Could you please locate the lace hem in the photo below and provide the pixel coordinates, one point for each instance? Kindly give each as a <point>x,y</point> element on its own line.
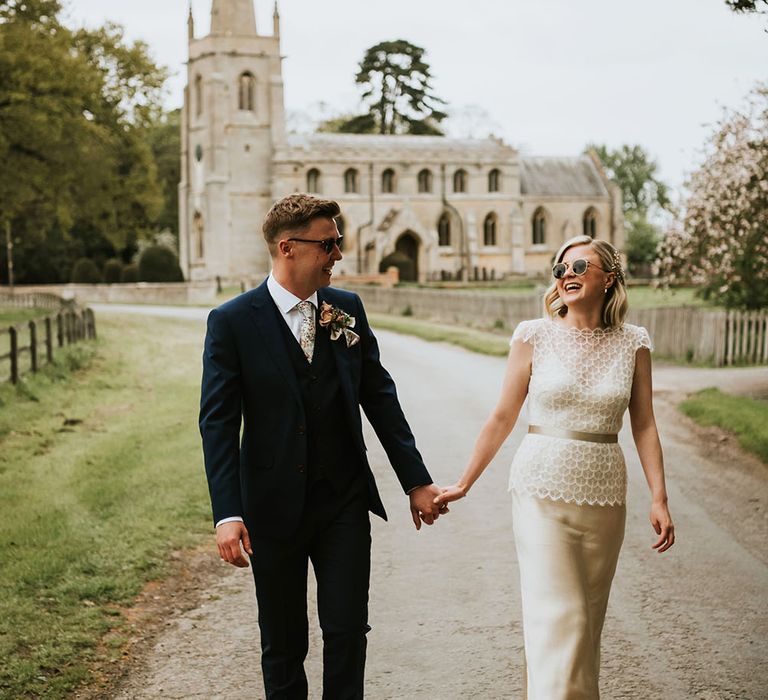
<point>556,496</point>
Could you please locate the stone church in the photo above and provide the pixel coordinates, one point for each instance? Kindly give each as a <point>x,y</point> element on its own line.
<point>457,208</point>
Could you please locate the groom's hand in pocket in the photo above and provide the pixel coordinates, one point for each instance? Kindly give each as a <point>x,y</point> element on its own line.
<point>228,539</point>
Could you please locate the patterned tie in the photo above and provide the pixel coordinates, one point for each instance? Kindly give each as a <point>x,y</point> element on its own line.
<point>307,328</point>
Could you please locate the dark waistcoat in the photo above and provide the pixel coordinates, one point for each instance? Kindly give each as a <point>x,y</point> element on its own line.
<point>331,453</point>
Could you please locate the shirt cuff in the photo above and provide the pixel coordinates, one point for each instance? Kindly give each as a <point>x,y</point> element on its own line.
<point>411,490</point>
<point>233,519</point>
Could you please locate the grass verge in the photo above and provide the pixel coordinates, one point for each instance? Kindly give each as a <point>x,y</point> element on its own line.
<point>656,298</point>
<point>12,316</point>
<point>101,476</point>
<point>745,417</point>
<point>483,342</point>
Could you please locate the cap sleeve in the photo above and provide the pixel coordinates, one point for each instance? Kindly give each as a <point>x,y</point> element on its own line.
<point>642,339</point>
<point>525,332</point>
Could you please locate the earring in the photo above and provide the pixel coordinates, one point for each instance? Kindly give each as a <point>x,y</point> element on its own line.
<point>605,291</point>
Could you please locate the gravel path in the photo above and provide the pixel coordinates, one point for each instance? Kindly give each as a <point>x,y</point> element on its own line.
<point>445,601</point>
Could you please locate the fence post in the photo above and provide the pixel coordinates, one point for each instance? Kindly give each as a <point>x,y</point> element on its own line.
<point>13,333</point>
<point>91,323</point>
<point>48,340</point>
<point>33,346</point>
<point>60,328</point>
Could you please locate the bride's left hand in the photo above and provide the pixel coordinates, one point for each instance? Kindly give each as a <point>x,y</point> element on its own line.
<point>450,493</point>
<point>663,526</point>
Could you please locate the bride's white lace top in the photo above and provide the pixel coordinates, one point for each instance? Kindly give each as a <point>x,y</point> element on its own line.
<point>580,380</point>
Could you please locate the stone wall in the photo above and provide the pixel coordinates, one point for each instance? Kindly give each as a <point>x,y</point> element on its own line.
<point>467,308</point>
<point>203,293</point>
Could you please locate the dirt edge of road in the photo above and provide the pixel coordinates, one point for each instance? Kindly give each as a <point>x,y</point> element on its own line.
<point>182,589</point>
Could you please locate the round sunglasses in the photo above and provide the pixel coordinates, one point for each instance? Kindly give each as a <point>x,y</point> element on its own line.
<point>578,267</point>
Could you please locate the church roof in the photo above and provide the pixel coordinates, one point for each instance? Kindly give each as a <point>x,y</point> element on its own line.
<point>576,177</point>
<point>408,147</point>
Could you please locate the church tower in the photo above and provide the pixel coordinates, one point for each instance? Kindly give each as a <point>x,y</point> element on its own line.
<point>232,121</point>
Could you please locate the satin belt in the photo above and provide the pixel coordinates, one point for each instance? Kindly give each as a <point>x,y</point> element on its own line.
<point>573,434</point>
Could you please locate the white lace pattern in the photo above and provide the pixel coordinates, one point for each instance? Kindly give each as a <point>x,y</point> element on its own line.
<point>580,380</point>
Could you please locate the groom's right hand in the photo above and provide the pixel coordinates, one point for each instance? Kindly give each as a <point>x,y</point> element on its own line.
<point>228,538</point>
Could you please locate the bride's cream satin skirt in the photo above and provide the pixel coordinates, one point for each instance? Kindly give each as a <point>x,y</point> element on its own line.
<point>567,555</point>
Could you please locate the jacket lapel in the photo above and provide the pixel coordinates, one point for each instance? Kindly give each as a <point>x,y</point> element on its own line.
<point>266,320</point>
<point>341,356</point>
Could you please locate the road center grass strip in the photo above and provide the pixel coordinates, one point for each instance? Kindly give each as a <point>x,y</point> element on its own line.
<point>101,477</point>
<point>745,417</point>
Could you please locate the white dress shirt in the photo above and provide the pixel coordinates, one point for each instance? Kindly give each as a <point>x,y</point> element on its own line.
<point>286,304</point>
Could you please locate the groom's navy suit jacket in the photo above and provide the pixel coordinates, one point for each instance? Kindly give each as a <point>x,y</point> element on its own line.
<point>249,381</point>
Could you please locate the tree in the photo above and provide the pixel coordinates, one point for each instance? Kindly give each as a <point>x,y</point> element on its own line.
<point>74,112</point>
<point>165,141</point>
<point>722,244</point>
<point>758,7</point>
<point>159,264</point>
<point>747,5</point>
<point>397,91</point>
<point>644,197</point>
<point>633,170</point>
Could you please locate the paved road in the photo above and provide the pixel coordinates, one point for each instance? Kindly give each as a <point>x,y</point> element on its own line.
<point>445,601</point>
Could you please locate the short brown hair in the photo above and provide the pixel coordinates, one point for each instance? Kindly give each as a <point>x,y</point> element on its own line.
<point>295,213</point>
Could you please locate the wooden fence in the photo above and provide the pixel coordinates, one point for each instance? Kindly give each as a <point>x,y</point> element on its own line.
<point>699,335</point>
<point>33,300</point>
<point>31,344</point>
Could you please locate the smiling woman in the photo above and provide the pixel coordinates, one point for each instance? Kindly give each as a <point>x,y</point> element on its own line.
<point>579,369</point>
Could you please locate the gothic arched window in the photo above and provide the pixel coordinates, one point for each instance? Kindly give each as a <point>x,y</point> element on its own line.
<point>460,181</point>
<point>388,181</point>
<point>198,95</point>
<point>247,92</point>
<point>489,229</point>
<point>425,180</point>
<point>313,180</point>
<point>444,229</point>
<point>539,223</point>
<point>589,222</point>
<point>494,180</point>
<point>350,181</point>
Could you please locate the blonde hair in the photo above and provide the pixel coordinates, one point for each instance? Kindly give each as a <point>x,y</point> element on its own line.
<point>616,304</point>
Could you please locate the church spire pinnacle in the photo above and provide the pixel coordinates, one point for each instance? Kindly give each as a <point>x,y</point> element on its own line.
<point>276,21</point>
<point>233,17</point>
<point>190,23</point>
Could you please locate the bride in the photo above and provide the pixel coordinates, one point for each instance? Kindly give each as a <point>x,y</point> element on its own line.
<point>580,367</point>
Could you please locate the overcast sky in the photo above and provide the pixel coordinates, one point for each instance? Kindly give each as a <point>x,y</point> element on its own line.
<point>552,75</point>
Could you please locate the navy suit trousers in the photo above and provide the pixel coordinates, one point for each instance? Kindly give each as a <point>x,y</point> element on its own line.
<point>335,535</point>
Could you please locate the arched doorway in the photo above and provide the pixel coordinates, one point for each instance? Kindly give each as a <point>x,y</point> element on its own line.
<point>408,245</point>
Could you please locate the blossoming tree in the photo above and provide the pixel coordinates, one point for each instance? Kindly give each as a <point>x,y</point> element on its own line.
<point>722,243</point>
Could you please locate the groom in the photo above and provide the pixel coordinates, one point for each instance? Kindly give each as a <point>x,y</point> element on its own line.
<point>293,361</point>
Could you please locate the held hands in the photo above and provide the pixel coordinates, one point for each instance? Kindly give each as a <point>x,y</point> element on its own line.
<point>228,538</point>
<point>662,524</point>
<point>451,493</point>
<point>430,502</point>
<point>423,506</point>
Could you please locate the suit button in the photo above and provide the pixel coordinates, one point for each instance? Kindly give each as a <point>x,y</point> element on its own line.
<point>301,430</point>
<point>300,467</point>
